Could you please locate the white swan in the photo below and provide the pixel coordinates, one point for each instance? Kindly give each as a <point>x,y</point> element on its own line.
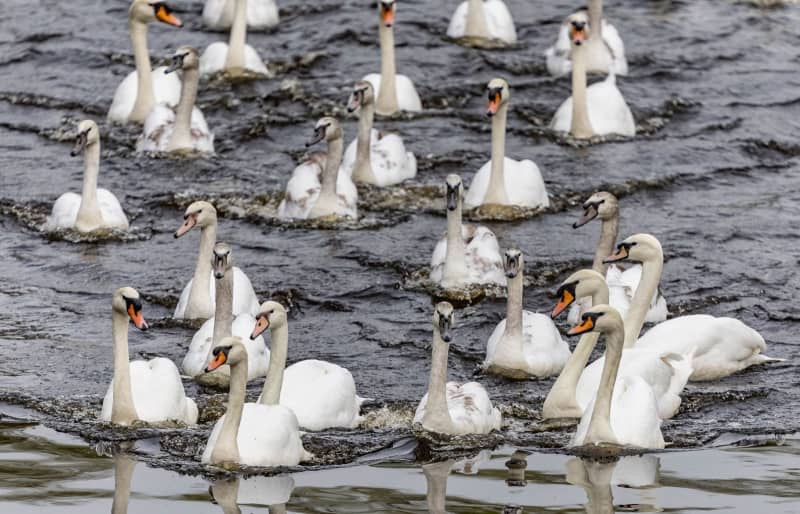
<point>95,207</point>
<point>604,48</point>
<point>198,297</point>
<point>317,187</point>
<point>523,344</point>
<point>394,92</point>
<point>622,285</point>
<point>261,14</point>
<point>597,110</point>
<point>723,345</point>
<point>132,102</point>
<point>374,157</point>
<point>466,254</point>
<point>321,394</point>
<point>483,21</point>
<point>252,434</point>
<point>149,391</point>
<point>624,411</point>
<point>235,58</point>
<point>222,325</point>
<point>449,407</point>
<point>503,180</point>
<point>183,128</point>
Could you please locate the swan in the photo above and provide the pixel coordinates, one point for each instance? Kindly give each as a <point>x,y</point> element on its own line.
<point>321,394</point>
<point>222,325</point>
<point>183,128</point>
<point>252,434</point>
<point>198,302</point>
<point>665,372</point>
<point>149,391</point>
<point>524,344</point>
<point>624,411</point>
<point>134,103</point>
<point>599,109</point>
<point>95,208</point>
<point>449,407</point>
<point>622,284</point>
<point>235,58</point>
<point>502,180</point>
<point>394,92</point>
<point>317,188</point>
<point>261,14</point>
<point>722,346</point>
<point>604,48</point>
<point>374,157</point>
<point>483,22</point>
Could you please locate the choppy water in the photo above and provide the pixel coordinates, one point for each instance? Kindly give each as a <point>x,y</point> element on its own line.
<point>714,174</point>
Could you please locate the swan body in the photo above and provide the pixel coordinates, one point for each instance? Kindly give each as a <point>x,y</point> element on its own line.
<point>245,300</point>
<point>607,53</point>
<point>166,91</point>
<point>235,57</point>
<point>496,23</point>
<point>261,14</point>
<point>407,97</point>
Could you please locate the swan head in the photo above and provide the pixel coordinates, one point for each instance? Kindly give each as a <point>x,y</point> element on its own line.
<point>513,262</point>
<point>88,134</point>
<point>637,248</point>
<point>221,260</point>
<point>147,11</point>
<point>455,188</point>
<point>386,9</point>
<point>498,93</point>
<point>363,94</point>
<point>127,301</point>
<point>201,214</point>
<point>601,204</point>
<point>327,129</point>
<point>601,318</point>
<point>229,351</point>
<point>582,283</point>
<point>578,27</point>
<point>185,58</point>
<point>270,315</point>
<point>443,321</point>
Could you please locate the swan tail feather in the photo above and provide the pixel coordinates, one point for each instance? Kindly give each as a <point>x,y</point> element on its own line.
<point>761,358</point>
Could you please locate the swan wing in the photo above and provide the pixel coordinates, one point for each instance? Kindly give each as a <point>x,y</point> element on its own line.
<point>166,87</point>
<point>614,43</point>
<point>111,210</point>
<point>391,164</point>
<point>157,130</point>
<point>347,195</point>
<point>124,98</point>
<point>407,97</point>
<point>524,184</point>
<point>479,186</point>
<point>321,394</point>
<point>482,255</point>
<point>557,56</point>
<point>458,23</point>
<point>545,351</point>
<point>212,60</point>
<point>65,212</point>
<point>253,62</point>
<point>302,191</point>
<point>437,259</point>
<point>262,14</point>
<point>158,393</point>
<point>245,300</point>
<point>471,409</point>
<point>500,21</point>
<point>608,112</point>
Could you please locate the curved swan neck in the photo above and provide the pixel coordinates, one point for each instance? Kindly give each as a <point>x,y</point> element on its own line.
<point>145,96</point>
<point>200,304</point>
<point>89,213</point>
<point>596,19</point>
<point>123,473</point>
<point>223,313</point>
<point>279,347</point>
<point>476,20</point>
<point>437,414</point>
<point>455,264</point>
<point>363,167</point>
<point>181,135</point>
<point>580,127</point>
<point>609,229</point>
<point>234,61</point>
<point>600,424</point>
<point>387,103</point>
<point>123,411</point>
<point>496,192</point>
<point>648,287</point>
<point>226,449</point>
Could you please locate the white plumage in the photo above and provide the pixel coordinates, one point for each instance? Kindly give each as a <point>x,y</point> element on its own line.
<point>214,56</point>
<point>244,296</point>
<point>523,182</point>
<point>498,21</point>
<point>484,265</point>
<point>606,107</point>
<point>166,88</point>
<point>391,163</point>
<point>66,207</point>
<point>407,97</point>
<point>470,409</point>
<point>610,58</point>
<point>160,124</point>
<point>543,350</point>
<point>302,191</point>
<point>196,359</point>
<point>261,14</point>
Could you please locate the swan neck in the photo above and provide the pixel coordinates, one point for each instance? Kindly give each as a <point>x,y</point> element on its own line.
<point>145,96</point>
<point>387,96</point>
<point>123,411</point>
<point>123,473</point>
<point>89,210</point>
<point>455,264</point>
<point>225,493</point>
<point>580,127</point>
<point>235,58</point>
<point>331,172</point>
<point>647,288</point>
<point>496,193</point>
<point>436,490</point>
<point>609,229</point>
<point>600,424</point>
<point>181,135</point>
<point>226,449</point>
<point>223,312</point>
<point>562,400</point>
<point>514,308</point>
<point>596,19</point>
<point>437,414</point>
<point>279,347</point>
<point>363,167</point>
<point>199,298</point>
<point>476,20</point>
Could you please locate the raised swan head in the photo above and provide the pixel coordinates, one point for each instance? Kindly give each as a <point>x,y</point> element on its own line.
<point>270,315</point>
<point>146,11</point>
<point>88,134</point>
<point>601,204</point>
<point>201,214</point>
<point>126,301</point>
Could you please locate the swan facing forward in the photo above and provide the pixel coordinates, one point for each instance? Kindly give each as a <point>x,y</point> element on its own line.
<point>149,391</point>
<point>449,407</point>
<point>236,58</point>
<point>483,23</point>
<point>95,208</point>
<point>261,14</point>
<point>467,254</point>
<point>184,128</point>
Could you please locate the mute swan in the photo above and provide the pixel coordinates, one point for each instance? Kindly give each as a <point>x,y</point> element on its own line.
<point>235,57</point>
<point>183,128</point>
<point>665,372</point>
<point>449,407</point>
<point>317,188</point>
<point>467,254</point>
<point>149,391</point>
<point>394,92</point>
<point>524,344</point>
<point>252,434</point>
<point>198,297</point>
<point>483,21</point>
<point>134,103</point>
<point>502,180</point>
<point>622,284</point>
<point>321,394</point>
<point>374,157</point>
<point>261,14</point>
<point>600,109</point>
<point>633,418</point>
<point>604,48</point>
<point>222,325</point>
<point>723,345</point>
<point>94,208</point>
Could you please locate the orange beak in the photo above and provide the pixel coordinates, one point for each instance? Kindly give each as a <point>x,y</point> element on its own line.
<point>188,223</point>
<point>586,326</point>
<point>387,15</point>
<point>137,318</point>
<point>494,105</point>
<point>578,36</point>
<point>621,255</point>
<point>561,306</point>
<point>162,14</point>
<point>218,361</point>
<point>262,323</point>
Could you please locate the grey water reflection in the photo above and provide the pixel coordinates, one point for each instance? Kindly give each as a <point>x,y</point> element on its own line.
<point>596,478</point>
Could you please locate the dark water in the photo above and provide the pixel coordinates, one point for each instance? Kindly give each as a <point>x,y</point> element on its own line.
<point>713,174</point>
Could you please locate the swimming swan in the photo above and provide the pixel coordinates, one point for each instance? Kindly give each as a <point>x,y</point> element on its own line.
<point>261,14</point>
<point>235,58</point>
<point>483,22</point>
